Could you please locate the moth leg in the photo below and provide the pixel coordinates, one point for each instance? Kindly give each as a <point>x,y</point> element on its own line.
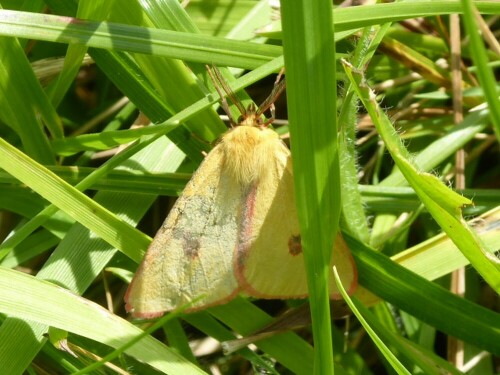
<point>270,120</point>
<point>279,77</point>
<point>278,88</point>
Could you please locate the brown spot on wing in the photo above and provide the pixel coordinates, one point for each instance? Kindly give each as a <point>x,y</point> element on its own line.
<point>294,245</point>
<point>191,247</point>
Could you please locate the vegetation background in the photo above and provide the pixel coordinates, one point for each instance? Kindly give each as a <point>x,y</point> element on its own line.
<point>414,153</point>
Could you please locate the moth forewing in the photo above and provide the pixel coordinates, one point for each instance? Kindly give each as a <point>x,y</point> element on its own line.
<point>191,256</point>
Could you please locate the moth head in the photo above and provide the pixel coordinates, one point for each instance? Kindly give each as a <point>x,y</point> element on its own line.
<point>252,115</point>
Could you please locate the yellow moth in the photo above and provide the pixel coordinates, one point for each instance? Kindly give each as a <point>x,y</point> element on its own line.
<point>234,229</point>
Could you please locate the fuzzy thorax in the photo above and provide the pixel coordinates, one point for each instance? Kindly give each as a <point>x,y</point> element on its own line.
<point>247,151</point>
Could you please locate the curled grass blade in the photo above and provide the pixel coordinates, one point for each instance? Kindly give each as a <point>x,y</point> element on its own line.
<point>442,203</point>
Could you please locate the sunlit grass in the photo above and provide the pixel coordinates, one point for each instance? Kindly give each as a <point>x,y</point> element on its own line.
<point>78,215</point>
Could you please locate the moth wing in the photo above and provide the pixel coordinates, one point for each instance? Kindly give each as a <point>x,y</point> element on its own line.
<point>269,261</point>
<point>191,256</point>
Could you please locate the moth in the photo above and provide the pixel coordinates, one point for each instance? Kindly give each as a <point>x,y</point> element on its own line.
<point>235,228</point>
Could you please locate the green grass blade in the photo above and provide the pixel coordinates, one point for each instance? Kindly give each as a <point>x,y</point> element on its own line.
<point>484,72</point>
<point>71,201</point>
<point>391,358</point>
<point>425,300</point>
<point>76,53</point>
<point>311,97</point>
<point>23,103</point>
<point>354,18</point>
<point>425,360</point>
<point>25,297</point>
<point>353,211</point>
<point>172,44</point>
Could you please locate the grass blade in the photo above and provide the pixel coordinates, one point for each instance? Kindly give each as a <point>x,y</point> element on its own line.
<point>311,97</point>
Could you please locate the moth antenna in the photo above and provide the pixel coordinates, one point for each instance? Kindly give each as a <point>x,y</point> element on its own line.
<point>219,82</point>
<point>279,86</point>
<point>223,101</point>
<point>229,92</point>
